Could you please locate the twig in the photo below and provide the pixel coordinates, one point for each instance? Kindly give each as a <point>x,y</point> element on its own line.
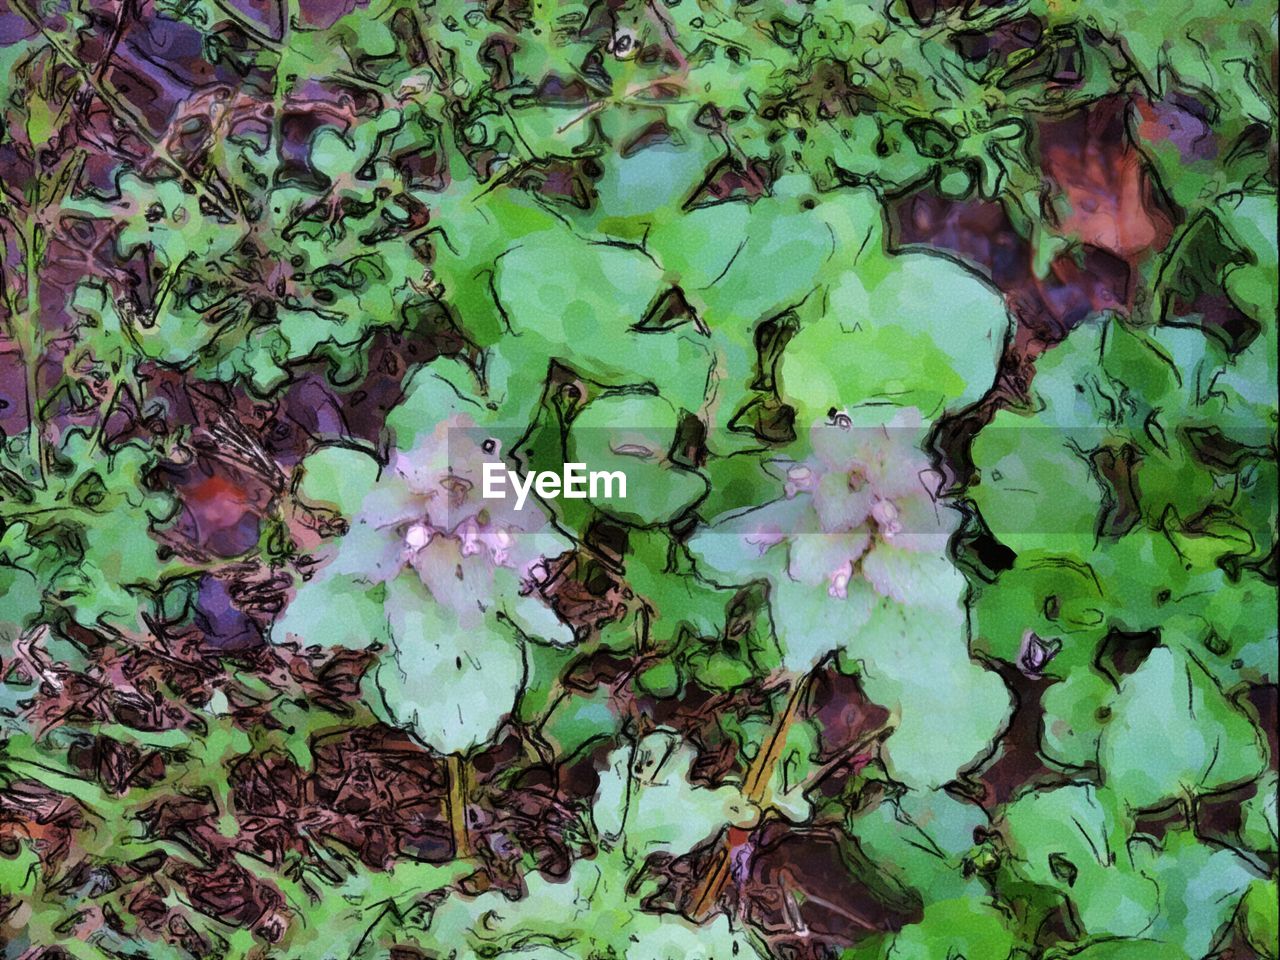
<point>754,786</point>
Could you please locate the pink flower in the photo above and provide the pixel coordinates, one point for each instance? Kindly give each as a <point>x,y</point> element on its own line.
<point>861,506</point>
<point>429,508</point>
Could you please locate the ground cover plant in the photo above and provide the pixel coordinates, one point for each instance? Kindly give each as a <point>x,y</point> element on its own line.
<point>936,341</point>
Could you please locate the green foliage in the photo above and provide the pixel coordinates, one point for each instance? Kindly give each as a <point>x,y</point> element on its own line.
<point>669,239</point>
<point>592,911</point>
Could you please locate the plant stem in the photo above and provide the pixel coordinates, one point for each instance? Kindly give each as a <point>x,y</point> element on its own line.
<point>457,803</point>
<point>28,336</point>
<point>754,785</point>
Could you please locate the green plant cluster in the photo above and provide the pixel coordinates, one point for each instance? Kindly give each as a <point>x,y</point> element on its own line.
<point>1002,682</point>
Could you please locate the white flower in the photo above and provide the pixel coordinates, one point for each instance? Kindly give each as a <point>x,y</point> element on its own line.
<point>474,556</point>
<point>865,495</point>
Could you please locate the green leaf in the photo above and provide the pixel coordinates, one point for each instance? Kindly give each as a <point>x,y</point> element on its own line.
<point>1200,744</point>
<point>1258,918</point>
